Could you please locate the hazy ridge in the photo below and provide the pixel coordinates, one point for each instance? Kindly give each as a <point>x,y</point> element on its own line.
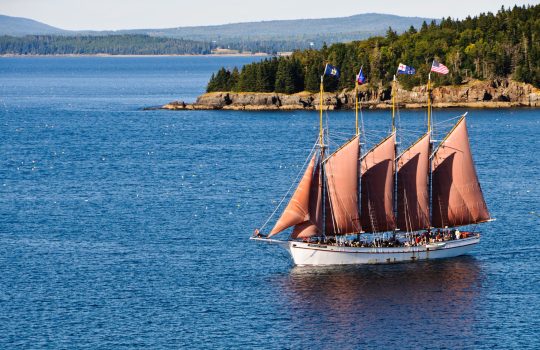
<point>265,36</point>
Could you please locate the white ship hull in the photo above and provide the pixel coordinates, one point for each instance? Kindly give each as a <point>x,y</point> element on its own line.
<point>320,254</point>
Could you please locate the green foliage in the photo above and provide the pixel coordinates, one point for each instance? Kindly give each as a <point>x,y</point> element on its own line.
<point>109,44</point>
<point>289,76</point>
<point>257,77</point>
<point>506,44</point>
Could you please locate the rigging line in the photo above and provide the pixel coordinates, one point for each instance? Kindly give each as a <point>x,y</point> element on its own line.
<point>290,188</point>
<point>340,133</point>
<point>404,141</point>
<point>372,219</point>
<point>408,220</point>
<point>371,142</point>
<point>425,216</point>
<point>330,205</point>
<point>333,143</point>
<point>330,202</point>
<point>417,130</point>
<point>362,124</point>
<point>379,135</point>
<point>327,128</point>
<point>399,124</point>
<point>339,140</point>
<point>441,210</point>
<point>411,133</point>
<point>376,131</point>
<point>448,120</point>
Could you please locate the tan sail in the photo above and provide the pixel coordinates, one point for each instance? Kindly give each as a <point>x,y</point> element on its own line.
<point>412,181</point>
<point>297,211</point>
<point>313,226</point>
<point>341,170</point>
<point>377,186</point>
<point>457,198</point>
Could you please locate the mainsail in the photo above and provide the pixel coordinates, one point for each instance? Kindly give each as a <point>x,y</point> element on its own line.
<point>457,198</point>
<point>313,225</point>
<point>412,186</point>
<point>377,187</point>
<point>297,211</point>
<point>341,169</point>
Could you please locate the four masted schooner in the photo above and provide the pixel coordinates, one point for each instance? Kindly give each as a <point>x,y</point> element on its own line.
<point>377,207</point>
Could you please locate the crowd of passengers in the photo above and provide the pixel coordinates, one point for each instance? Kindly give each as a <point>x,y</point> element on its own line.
<point>411,240</point>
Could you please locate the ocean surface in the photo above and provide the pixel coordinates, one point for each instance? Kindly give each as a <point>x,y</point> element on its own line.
<point>124,228</point>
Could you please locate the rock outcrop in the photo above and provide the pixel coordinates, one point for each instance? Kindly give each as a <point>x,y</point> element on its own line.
<point>473,94</point>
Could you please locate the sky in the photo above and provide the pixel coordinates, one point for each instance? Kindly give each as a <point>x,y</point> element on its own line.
<point>134,14</point>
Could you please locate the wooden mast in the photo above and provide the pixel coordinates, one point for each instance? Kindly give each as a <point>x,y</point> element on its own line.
<point>430,171</point>
<point>394,104</point>
<point>356,105</point>
<point>394,202</point>
<point>322,146</point>
<point>321,133</point>
<point>359,181</point>
<point>429,103</point>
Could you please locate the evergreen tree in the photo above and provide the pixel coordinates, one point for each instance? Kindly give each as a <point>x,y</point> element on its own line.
<point>313,75</point>
<point>284,80</point>
<point>211,86</point>
<point>235,77</point>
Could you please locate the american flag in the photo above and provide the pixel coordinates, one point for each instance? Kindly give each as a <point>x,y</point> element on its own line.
<point>439,68</point>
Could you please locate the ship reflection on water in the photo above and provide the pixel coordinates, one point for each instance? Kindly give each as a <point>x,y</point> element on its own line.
<point>375,303</point>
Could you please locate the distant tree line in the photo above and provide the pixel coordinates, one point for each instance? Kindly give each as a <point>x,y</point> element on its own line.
<point>274,45</point>
<point>269,46</point>
<point>109,44</point>
<point>140,44</point>
<point>506,44</point>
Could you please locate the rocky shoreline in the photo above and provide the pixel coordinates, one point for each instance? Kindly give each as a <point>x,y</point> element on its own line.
<point>497,93</point>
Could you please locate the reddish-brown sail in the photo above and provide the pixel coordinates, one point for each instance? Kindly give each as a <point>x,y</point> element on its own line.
<point>297,211</point>
<point>412,186</point>
<point>457,198</point>
<point>377,182</point>
<point>341,170</point>
<point>312,226</point>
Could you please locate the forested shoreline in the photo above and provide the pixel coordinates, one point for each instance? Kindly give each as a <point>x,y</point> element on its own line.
<point>488,46</point>
<point>92,45</point>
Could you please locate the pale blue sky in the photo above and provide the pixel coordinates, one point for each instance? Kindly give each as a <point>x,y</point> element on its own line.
<point>129,14</point>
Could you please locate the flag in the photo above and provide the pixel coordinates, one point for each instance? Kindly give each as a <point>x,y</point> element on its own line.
<point>360,78</point>
<point>439,68</point>
<point>331,70</point>
<point>403,69</point>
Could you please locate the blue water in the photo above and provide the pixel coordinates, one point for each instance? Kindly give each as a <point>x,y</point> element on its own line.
<point>124,228</point>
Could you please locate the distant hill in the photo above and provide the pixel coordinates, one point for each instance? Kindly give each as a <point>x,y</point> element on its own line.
<point>26,36</point>
<point>301,30</point>
<point>18,26</point>
<point>336,29</point>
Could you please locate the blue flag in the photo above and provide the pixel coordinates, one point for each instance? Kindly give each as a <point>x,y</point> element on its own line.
<point>331,70</point>
<point>403,69</point>
<point>360,78</point>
